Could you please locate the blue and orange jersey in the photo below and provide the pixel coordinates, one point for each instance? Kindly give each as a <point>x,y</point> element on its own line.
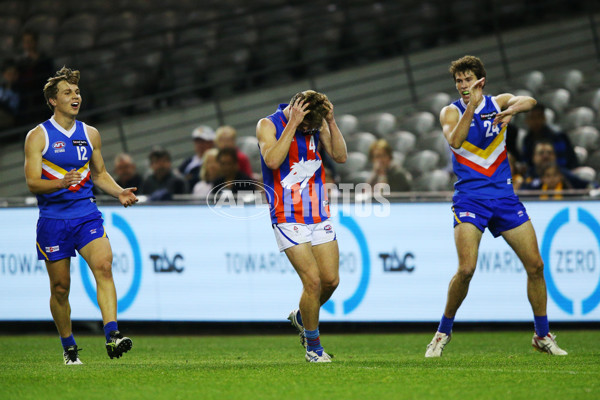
<point>481,163</point>
<point>64,151</point>
<point>295,190</point>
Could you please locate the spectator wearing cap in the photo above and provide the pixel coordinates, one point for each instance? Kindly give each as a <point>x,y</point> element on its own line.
<point>204,139</point>
<point>163,182</point>
<point>226,138</point>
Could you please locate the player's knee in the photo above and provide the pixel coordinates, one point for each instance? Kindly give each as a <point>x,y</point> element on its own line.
<point>465,274</point>
<point>330,284</point>
<point>104,269</point>
<point>312,285</point>
<point>536,269</point>
<point>60,290</point>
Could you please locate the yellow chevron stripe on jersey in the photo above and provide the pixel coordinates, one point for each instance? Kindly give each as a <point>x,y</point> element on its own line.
<point>471,148</point>
<point>62,172</point>
<point>54,167</point>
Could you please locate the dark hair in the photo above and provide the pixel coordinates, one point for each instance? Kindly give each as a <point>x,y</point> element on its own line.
<point>158,152</point>
<point>227,152</point>
<point>539,107</point>
<point>467,63</point>
<point>51,87</point>
<point>318,107</point>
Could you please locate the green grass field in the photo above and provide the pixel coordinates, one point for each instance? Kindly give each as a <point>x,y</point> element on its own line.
<point>486,365</point>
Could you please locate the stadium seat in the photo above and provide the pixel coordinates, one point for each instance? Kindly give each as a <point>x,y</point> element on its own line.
<point>118,20</point>
<point>41,23</point>
<point>423,161</point>
<point>587,137</point>
<point>73,43</point>
<point>360,142</point>
<point>82,22</point>
<point>585,173</point>
<point>533,81</point>
<point>355,162</point>
<point>381,124</point>
<point>347,123</point>
<point>248,145</point>
<point>433,181</point>
<point>435,102</point>
<point>581,153</point>
<point>557,99</point>
<point>593,160</point>
<point>402,141</point>
<point>419,123</point>
<point>572,80</point>
<point>358,177</point>
<point>577,117</point>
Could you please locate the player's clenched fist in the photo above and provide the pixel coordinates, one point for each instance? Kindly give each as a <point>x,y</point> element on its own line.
<point>71,178</point>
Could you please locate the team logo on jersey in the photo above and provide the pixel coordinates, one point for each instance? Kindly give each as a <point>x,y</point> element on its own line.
<point>301,172</point>
<point>488,116</point>
<point>328,229</point>
<point>469,214</point>
<point>77,142</point>
<point>52,249</point>
<point>59,147</point>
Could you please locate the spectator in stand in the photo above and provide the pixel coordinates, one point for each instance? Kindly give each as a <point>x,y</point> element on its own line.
<point>231,177</point>
<point>126,172</point>
<point>385,170</point>
<point>204,139</point>
<point>10,95</point>
<point>544,157</point>
<point>538,129</point>
<point>164,182</point>
<point>34,67</point>
<point>226,139</point>
<point>209,172</point>
<point>553,180</point>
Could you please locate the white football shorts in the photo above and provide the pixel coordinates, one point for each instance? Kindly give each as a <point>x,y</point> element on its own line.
<point>290,234</point>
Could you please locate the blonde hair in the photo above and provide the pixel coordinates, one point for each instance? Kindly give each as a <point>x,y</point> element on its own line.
<point>208,153</point>
<point>383,145</point>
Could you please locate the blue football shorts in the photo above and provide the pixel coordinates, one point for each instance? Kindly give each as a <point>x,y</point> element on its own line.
<point>498,215</point>
<point>59,238</point>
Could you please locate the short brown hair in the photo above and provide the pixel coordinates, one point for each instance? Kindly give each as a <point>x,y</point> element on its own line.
<point>467,63</point>
<point>318,107</point>
<point>51,87</point>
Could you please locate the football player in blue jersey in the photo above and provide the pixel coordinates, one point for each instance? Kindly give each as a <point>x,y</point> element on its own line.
<point>63,160</point>
<point>475,128</point>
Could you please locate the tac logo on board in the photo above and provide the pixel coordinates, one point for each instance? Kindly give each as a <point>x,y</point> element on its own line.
<point>571,253</point>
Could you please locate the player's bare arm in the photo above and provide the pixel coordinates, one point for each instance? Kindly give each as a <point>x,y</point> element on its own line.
<point>275,151</point>
<point>455,127</point>
<point>511,105</point>
<point>34,146</point>
<point>332,138</point>
<point>102,178</point>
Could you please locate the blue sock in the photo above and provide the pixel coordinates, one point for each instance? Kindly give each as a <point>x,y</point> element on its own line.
<point>446,325</point>
<point>541,325</point>
<point>299,318</point>
<point>67,341</point>
<point>313,342</point>
<point>108,328</point>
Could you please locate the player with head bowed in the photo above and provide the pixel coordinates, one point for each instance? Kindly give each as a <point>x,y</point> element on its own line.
<point>294,177</point>
<point>475,128</point>
<point>63,160</point>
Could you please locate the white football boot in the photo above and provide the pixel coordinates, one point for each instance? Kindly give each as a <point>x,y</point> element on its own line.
<point>547,344</point>
<point>314,357</point>
<point>294,320</point>
<point>437,344</point>
<point>71,356</point>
